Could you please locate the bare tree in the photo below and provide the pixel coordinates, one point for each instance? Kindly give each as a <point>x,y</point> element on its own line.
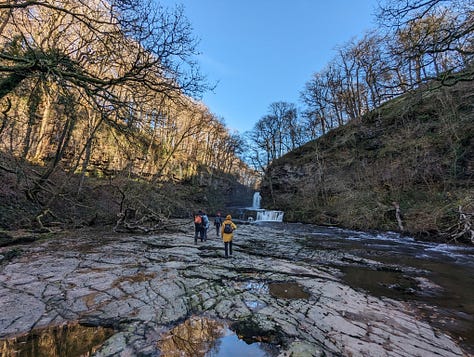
<point>435,30</point>
<point>96,52</point>
<point>275,134</point>
<point>316,97</point>
<point>425,40</point>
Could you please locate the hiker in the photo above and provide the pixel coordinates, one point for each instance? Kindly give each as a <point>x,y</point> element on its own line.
<point>198,226</point>
<point>218,223</point>
<point>227,232</point>
<point>205,226</point>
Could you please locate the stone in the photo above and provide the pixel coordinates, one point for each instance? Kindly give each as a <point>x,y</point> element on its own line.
<point>145,285</point>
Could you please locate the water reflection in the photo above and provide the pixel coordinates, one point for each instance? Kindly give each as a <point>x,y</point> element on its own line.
<point>231,346</point>
<point>194,337</point>
<point>69,340</point>
<point>204,337</point>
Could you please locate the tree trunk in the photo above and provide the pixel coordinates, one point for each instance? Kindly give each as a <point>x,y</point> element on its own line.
<point>398,216</point>
<point>42,137</point>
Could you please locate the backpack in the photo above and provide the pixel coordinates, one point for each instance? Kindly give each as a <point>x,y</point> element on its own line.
<point>205,221</point>
<point>198,219</point>
<point>228,228</point>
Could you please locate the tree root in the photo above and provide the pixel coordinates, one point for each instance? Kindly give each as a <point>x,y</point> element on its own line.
<point>149,223</point>
<point>42,228</point>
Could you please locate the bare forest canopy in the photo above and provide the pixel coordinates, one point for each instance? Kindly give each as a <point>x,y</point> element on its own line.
<point>101,89</point>
<point>416,42</point>
<point>106,86</point>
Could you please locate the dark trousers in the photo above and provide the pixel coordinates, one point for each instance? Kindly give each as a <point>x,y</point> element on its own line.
<point>197,232</point>
<point>228,248</point>
<point>218,228</point>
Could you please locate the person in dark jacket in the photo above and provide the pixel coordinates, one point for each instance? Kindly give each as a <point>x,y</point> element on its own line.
<point>198,226</point>
<point>218,223</point>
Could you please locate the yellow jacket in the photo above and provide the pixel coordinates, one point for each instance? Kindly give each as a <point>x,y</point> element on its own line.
<point>227,237</point>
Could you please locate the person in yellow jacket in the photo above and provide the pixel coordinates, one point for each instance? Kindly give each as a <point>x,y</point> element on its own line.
<point>227,232</point>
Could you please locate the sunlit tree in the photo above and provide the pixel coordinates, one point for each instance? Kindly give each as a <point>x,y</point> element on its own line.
<point>437,33</point>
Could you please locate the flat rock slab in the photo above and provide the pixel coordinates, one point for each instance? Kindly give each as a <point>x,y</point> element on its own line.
<point>143,286</point>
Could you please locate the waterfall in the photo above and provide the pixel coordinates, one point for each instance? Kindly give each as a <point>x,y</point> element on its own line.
<point>270,216</point>
<point>264,215</point>
<point>256,200</point>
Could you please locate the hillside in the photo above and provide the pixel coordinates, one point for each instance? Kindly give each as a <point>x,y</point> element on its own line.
<point>102,202</point>
<point>414,153</point>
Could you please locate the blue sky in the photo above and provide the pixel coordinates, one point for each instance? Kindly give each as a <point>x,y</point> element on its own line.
<point>264,51</point>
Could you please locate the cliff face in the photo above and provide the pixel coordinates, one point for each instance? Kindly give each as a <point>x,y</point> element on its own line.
<point>415,153</point>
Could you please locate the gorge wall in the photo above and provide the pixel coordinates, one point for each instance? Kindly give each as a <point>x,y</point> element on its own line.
<point>415,153</point>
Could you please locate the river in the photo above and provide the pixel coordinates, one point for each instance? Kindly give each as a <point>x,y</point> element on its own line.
<point>438,279</point>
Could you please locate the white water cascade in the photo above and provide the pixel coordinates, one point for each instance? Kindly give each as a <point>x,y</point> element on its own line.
<point>270,216</point>
<point>256,200</point>
<point>264,215</point>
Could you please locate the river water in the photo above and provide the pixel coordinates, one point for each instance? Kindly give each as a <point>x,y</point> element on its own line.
<point>438,279</point>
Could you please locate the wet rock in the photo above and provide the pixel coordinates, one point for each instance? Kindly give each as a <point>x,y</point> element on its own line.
<point>301,349</point>
<point>144,286</point>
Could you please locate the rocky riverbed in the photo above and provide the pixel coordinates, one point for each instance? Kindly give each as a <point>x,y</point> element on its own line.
<point>147,289</point>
